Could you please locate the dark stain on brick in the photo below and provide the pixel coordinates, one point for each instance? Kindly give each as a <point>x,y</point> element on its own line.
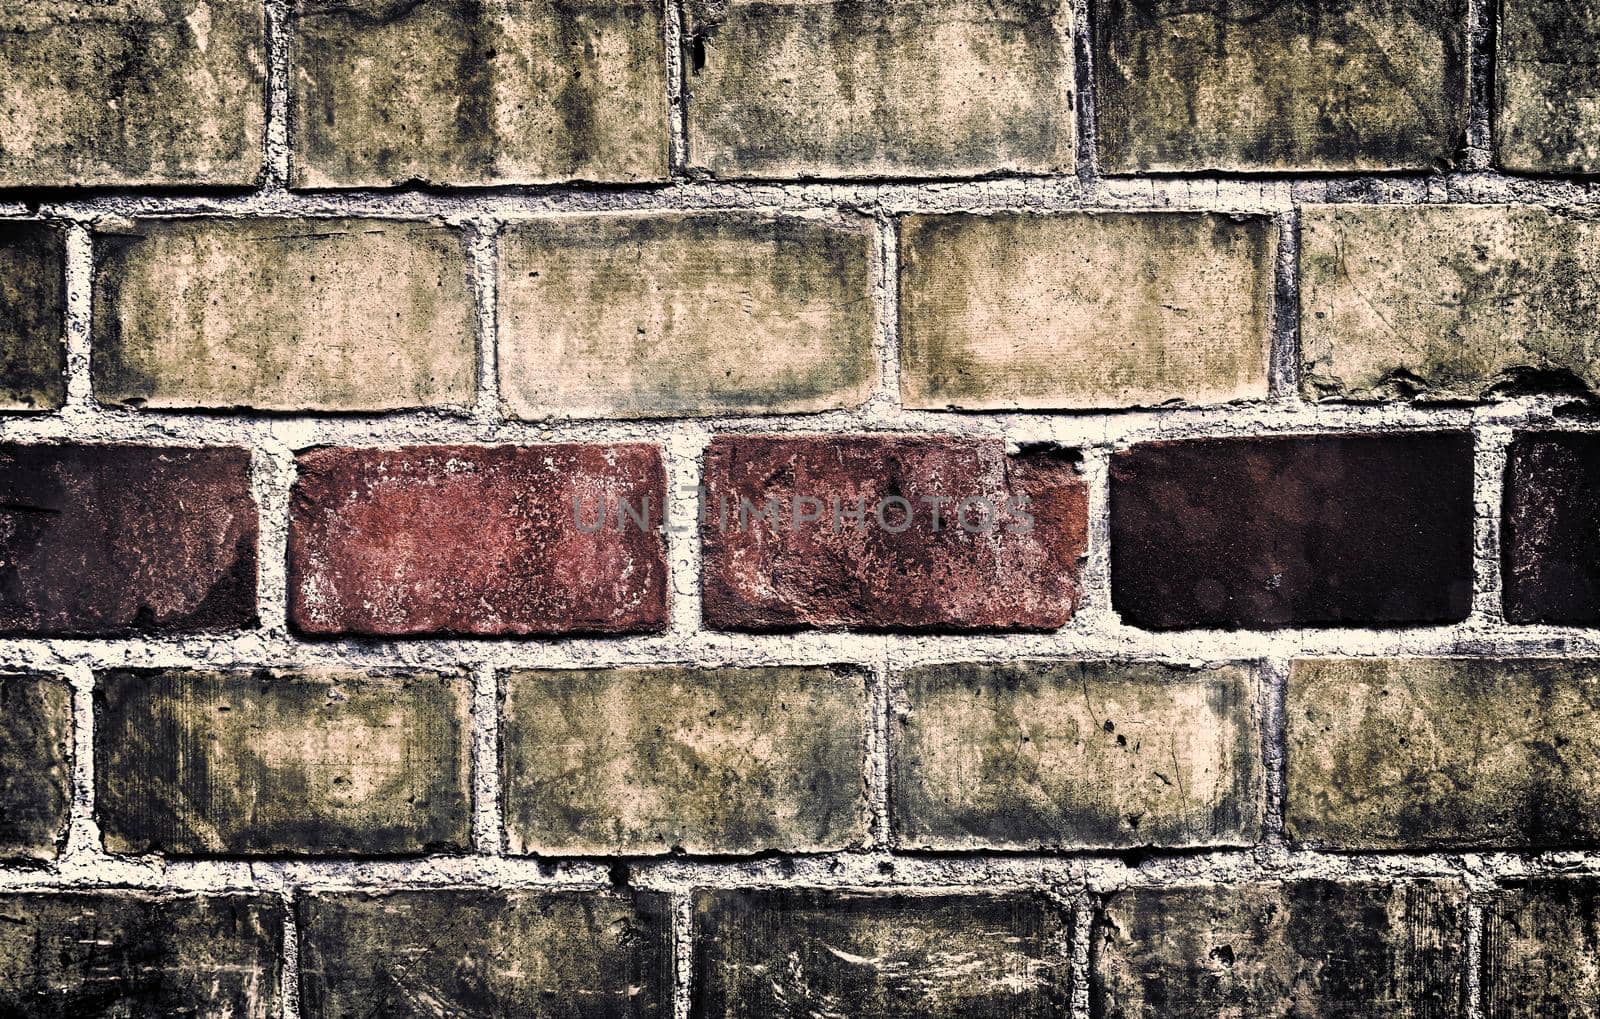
<point>133,955</point>
<point>478,540</point>
<point>1261,533</point>
<point>903,572</point>
<point>113,540</point>
<point>35,765</point>
<point>427,954</point>
<point>802,953</point>
<point>267,762</point>
<point>1549,520</point>
<point>1541,950</point>
<point>33,316</point>
<point>1310,949</point>
<point>1545,79</point>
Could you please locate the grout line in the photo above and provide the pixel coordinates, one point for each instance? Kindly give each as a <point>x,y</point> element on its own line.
<point>1472,953</point>
<point>677,93</point>
<point>682,954</point>
<point>879,762</point>
<point>683,456</point>
<point>290,960</point>
<point>272,479</point>
<point>1096,611</point>
<point>1284,371</point>
<point>1082,933</point>
<point>280,39</point>
<point>483,267</point>
<point>80,321</point>
<point>1480,39</point>
<point>885,400</point>
<point>1489,460</point>
<point>488,818</point>
<point>1085,115</point>
<point>83,833</point>
<point>1273,721</point>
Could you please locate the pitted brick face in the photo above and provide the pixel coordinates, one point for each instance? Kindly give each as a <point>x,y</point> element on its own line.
<point>115,540</point>
<point>1546,78</point>
<point>1541,945</point>
<point>889,545</point>
<point>478,540</point>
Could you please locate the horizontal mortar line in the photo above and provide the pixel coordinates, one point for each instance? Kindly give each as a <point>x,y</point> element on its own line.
<point>980,870</point>
<point>1107,639</point>
<point>1230,192</point>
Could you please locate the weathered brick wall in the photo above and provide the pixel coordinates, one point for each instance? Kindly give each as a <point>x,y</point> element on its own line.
<point>1271,326</point>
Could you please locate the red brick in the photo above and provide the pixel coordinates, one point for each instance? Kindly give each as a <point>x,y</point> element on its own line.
<point>108,540</point>
<point>929,575</point>
<point>477,540</point>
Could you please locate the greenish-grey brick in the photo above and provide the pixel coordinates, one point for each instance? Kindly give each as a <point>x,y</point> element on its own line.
<point>1547,118</point>
<point>33,315</point>
<point>35,765</point>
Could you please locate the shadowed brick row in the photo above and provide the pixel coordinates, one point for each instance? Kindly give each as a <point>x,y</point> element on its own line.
<point>35,765</point>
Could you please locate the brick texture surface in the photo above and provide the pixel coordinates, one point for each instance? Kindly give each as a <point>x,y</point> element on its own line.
<point>293,314</point>
<point>107,540</point>
<point>35,765</point>
<point>916,559</point>
<point>1304,948</point>
<point>1300,85</point>
<point>719,761</point>
<point>1551,561</point>
<point>474,93</point>
<point>33,316</point>
<point>479,540</point>
<point>1007,311</point>
<point>1503,302</point>
<point>70,955</point>
<point>909,88</point>
<point>685,315</point>
<point>555,955</point>
<point>796,952</point>
<point>98,92</point>
<point>1541,950</point>
<point>1546,81</point>
<point>1039,755</point>
<point>268,762</point>
<point>1366,530</point>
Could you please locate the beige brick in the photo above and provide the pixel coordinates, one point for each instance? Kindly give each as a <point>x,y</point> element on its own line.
<point>902,88</point>
<point>635,761</point>
<point>104,92</point>
<point>1443,753</point>
<point>1446,302</point>
<point>525,92</point>
<point>283,314</point>
<point>1084,310</point>
<point>1547,86</point>
<point>656,315</point>
<point>1075,754</point>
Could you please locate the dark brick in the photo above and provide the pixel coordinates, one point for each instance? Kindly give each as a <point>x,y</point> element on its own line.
<point>1551,515</point>
<point>911,572</point>
<point>35,765</point>
<point>1032,755</point>
<point>1309,949</point>
<point>800,953</point>
<point>1279,85</point>
<point>478,540</point>
<point>1362,530</point>
<point>109,540</point>
<point>557,955</point>
<point>133,955</point>
<point>33,316</point>
<point>1541,950</point>
<point>1546,79</point>
<point>252,763</point>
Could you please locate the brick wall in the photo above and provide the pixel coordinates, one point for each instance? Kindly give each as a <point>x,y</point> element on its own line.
<point>393,622</point>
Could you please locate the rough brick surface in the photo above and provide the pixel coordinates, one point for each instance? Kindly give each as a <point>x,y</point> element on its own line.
<point>96,92</point>
<point>1309,949</point>
<point>283,314</point>
<point>475,93</point>
<point>721,761</point>
<point>35,765</point>
<point>909,88</point>
<point>1546,83</point>
<point>922,563</point>
<point>1296,85</point>
<point>1550,518</point>
<point>132,955</point>
<point>1361,530</point>
<point>685,315</point>
<point>1014,311</point>
<point>111,540</point>
<point>421,955</point>
<point>1541,950</point>
<point>1455,753</point>
<point>1504,299</point>
<point>263,762</point>
<point>792,953</point>
<point>478,540</point>
<point>33,315</point>
<point>1039,755</point>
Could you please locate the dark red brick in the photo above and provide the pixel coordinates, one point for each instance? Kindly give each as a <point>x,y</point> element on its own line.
<point>478,540</point>
<point>108,540</point>
<point>1358,530</point>
<point>1550,551</point>
<point>1020,575</point>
